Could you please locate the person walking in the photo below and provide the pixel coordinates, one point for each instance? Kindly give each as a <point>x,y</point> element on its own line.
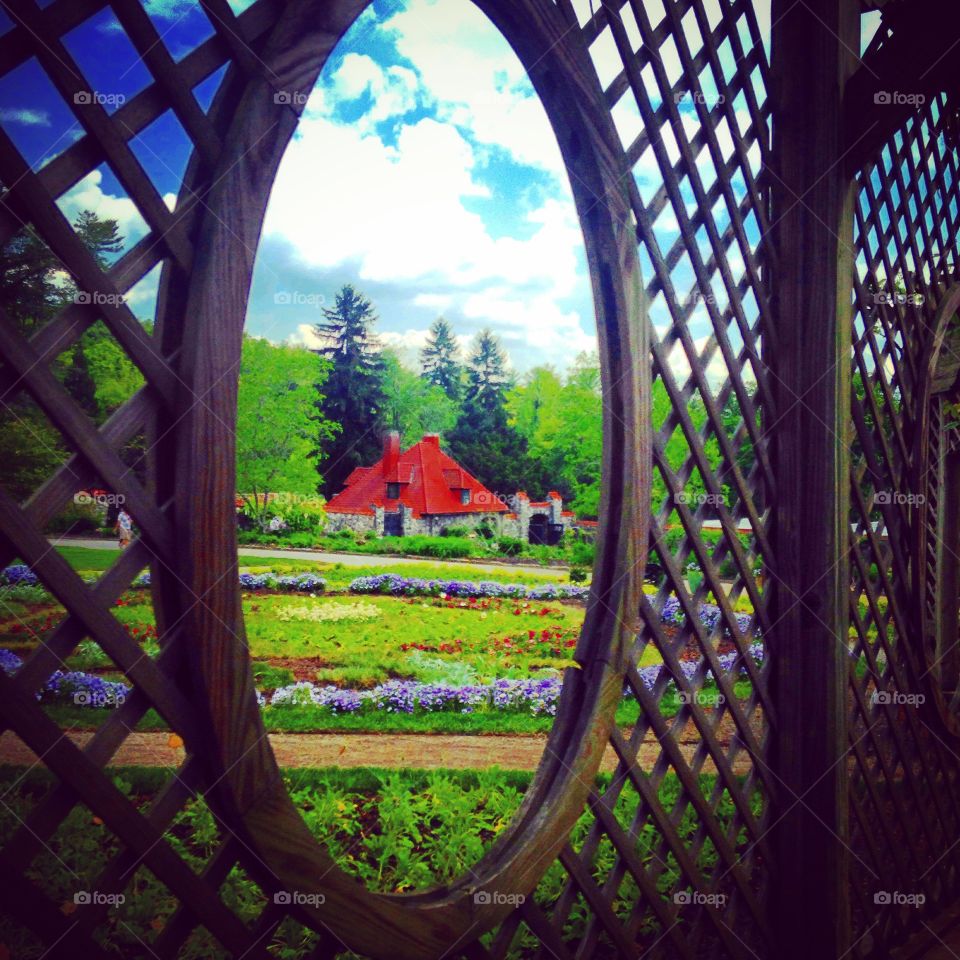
<point>124,528</point>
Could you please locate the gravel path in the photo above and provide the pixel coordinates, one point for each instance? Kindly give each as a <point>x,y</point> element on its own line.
<point>367,750</point>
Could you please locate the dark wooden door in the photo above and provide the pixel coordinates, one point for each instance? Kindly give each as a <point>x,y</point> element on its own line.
<point>393,524</point>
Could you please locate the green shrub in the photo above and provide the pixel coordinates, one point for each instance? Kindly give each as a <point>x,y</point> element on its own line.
<point>455,532</point>
<point>442,548</point>
<point>577,575</point>
<point>582,554</point>
<point>485,530</point>
<point>301,514</point>
<point>510,546</point>
<point>77,518</point>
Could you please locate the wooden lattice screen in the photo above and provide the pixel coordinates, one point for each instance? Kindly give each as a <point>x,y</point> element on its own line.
<point>798,810</point>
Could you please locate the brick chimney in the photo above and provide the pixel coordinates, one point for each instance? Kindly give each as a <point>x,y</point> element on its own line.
<point>391,454</point>
<point>432,438</point>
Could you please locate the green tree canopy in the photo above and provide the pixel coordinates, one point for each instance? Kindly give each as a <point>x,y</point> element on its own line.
<point>277,422</point>
<point>95,370</point>
<point>562,423</point>
<point>412,405</point>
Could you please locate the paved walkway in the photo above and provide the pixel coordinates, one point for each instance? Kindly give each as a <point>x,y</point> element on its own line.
<point>347,559</point>
<point>458,751</point>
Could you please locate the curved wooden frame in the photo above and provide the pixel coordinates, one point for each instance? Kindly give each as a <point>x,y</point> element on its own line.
<point>931,375</point>
<point>761,435</point>
<point>249,789</point>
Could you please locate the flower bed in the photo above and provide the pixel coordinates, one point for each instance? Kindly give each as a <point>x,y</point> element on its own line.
<point>81,689</point>
<point>20,574</point>
<point>392,584</point>
<point>534,696</point>
<point>332,613</point>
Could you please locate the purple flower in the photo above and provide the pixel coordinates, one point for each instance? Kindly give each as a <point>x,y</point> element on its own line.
<point>19,574</point>
<point>394,584</point>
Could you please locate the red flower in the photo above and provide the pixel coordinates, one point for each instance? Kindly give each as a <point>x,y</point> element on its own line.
<point>531,633</point>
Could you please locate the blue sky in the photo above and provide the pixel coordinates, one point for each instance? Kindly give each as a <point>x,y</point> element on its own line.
<point>424,171</point>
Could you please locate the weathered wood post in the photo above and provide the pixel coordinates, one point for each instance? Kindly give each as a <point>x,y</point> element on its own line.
<point>814,46</point>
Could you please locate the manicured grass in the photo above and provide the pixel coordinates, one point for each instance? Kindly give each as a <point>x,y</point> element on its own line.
<point>96,560</point>
<point>337,575</point>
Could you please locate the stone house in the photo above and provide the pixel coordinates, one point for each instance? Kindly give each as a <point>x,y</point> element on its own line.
<point>422,490</point>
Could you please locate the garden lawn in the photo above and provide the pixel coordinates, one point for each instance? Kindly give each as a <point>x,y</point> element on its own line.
<point>337,575</point>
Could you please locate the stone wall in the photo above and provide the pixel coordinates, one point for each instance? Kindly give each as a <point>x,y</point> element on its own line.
<point>434,524</point>
<point>516,525</point>
<point>357,522</point>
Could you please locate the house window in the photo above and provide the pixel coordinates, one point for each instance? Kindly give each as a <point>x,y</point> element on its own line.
<point>465,496</point>
<point>393,491</point>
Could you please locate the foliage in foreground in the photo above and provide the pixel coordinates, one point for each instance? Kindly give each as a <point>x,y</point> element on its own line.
<point>393,830</point>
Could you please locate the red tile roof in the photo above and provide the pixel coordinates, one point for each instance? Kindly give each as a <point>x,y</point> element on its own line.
<point>430,482</point>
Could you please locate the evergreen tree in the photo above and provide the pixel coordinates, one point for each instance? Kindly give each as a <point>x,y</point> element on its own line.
<point>487,379</point>
<point>483,440</point>
<point>102,237</point>
<point>438,359</point>
<point>104,240</point>
<point>353,390</point>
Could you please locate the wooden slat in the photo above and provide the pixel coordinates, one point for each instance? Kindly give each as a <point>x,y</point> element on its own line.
<point>812,57</point>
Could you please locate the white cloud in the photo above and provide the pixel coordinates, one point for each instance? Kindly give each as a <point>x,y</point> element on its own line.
<point>29,118</point>
<point>170,9</point>
<point>403,213</point>
<point>88,194</point>
<point>475,79</point>
<point>393,90</point>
